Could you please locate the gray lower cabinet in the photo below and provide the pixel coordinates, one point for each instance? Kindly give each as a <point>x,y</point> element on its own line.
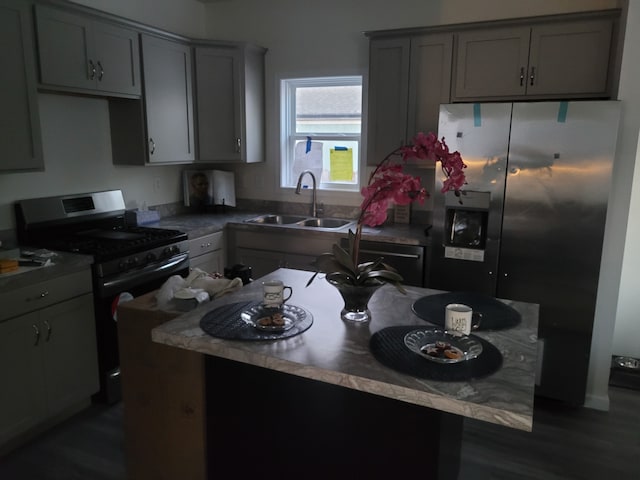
<point>83,54</point>
<point>48,356</point>
<point>568,59</point>
<point>230,103</point>
<point>267,250</point>
<point>207,253</point>
<point>409,77</point>
<point>20,139</point>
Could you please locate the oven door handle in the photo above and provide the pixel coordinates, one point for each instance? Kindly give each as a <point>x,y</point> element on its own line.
<point>140,277</point>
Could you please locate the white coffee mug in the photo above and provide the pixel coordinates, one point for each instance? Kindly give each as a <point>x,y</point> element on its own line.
<point>273,293</point>
<point>459,317</point>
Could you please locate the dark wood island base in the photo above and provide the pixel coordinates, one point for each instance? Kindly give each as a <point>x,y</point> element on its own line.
<point>262,422</point>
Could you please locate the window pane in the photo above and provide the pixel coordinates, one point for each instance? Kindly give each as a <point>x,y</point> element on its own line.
<point>331,161</point>
<point>321,125</point>
<point>331,109</point>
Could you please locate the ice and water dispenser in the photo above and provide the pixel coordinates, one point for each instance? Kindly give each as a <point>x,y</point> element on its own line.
<point>465,225</point>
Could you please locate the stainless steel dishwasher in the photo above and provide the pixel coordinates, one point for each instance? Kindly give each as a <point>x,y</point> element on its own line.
<point>409,260</point>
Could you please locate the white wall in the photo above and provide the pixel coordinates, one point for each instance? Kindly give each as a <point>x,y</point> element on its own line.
<point>626,339</point>
<point>185,17</point>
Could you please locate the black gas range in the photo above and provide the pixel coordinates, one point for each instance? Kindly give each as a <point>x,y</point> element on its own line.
<point>129,260</point>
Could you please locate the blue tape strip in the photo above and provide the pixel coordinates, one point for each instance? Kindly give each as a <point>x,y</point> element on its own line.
<point>339,148</point>
<point>477,116</point>
<point>562,112</point>
<point>308,149</point>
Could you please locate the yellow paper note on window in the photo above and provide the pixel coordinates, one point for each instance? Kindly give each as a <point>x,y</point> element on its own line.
<point>341,164</point>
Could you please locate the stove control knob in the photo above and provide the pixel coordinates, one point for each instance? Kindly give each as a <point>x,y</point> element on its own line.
<point>122,266</point>
<point>133,261</point>
<point>150,257</point>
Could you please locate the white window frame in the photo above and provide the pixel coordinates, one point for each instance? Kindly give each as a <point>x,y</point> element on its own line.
<point>289,135</point>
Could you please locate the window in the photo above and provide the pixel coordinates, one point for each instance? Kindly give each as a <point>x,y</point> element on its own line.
<point>321,125</point>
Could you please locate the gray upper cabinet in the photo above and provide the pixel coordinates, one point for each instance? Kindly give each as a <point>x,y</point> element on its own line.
<point>409,77</point>
<point>388,96</point>
<point>429,81</point>
<point>559,59</point>
<point>20,140</point>
<point>230,103</point>
<point>82,54</point>
<point>168,100</point>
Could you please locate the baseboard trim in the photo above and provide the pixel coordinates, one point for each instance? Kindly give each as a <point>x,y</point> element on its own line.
<point>597,402</point>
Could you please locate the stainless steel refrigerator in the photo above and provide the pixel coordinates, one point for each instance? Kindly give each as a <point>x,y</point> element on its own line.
<point>531,225</point>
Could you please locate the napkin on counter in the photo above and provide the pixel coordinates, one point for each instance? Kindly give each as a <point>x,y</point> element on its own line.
<point>197,288</point>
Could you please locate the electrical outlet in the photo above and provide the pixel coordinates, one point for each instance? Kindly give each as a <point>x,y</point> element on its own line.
<point>156,184</point>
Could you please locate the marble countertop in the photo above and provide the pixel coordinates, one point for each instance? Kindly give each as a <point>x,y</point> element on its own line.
<point>198,225</point>
<point>62,264</point>
<point>335,352</point>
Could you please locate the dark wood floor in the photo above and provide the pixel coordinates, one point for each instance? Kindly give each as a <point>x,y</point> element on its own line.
<point>566,444</point>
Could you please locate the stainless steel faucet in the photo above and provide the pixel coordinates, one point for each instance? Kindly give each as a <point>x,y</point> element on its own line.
<point>314,204</point>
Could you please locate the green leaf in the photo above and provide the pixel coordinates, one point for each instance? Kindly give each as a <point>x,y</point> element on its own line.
<point>343,257</point>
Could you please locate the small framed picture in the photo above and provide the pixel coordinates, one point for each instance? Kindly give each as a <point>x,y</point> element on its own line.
<point>198,188</point>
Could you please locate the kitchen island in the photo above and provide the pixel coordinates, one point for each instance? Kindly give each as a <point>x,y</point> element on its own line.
<point>320,399</point>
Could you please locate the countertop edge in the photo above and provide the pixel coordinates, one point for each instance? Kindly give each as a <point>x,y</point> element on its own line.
<point>219,348</point>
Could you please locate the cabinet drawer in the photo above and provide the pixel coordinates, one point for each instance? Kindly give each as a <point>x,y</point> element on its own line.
<point>40,295</point>
<point>206,244</point>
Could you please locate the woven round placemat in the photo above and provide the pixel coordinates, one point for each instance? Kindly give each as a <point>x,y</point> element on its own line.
<point>387,346</point>
<point>495,314</point>
<point>225,322</point>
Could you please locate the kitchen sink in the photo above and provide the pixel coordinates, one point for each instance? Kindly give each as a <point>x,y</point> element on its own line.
<point>300,221</point>
<point>277,219</point>
<point>324,222</point>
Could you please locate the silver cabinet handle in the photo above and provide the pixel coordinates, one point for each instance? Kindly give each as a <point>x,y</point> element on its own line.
<point>533,75</point>
<point>152,146</point>
<point>46,324</point>
<point>238,145</point>
<point>521,76</point>
<point>92,70</point>
<point>101,74</point>
<point>37,334</point>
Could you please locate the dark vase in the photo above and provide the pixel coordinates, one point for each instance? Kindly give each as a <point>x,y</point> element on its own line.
<point>356,298</point>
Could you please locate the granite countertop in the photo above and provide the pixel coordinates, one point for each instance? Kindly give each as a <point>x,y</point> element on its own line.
<point>198,225</point>
<point>62,264</point>
<point>335,352</point>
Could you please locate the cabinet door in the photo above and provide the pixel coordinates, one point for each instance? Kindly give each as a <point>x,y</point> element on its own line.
<point>388,95</point>
<point>212,262</point>
<point>168,100</point>
<point>20,140</point>
<point>64,46</point>
<point>117,59</point>
<point>430,81</point>
<point>570,59</point>
<point>71,366</point>
<point>23,396</point>
<point>492,63</point>
<point>218,90</point>
<point>301,262</point>
<point>261,262</point>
